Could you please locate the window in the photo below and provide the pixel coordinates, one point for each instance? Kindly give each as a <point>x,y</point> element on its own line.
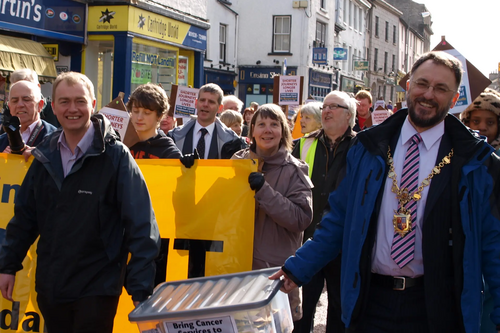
<point>375,61</point>
<point>360,19</point>
<point>385,91</point>
<point>152,71</point>
<point>345,11</point>
<point>392,93</point>
<point>376,26</point>
<point>281,40</point>
<point>355,14</point>
<point>385,61</point>
<point>222,43</point>
<point>386,31</point>
<point>350,13</point>
<point>349,59</point>
<point>323,4</point>
<point>320,34</point>
<point>99,69</point>
<point>394,34</point>
<point>393,68</point>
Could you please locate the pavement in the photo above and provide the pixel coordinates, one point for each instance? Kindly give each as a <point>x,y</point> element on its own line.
<point>321,311</point>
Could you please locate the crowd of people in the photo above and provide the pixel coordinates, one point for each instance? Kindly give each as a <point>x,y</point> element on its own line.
<point>399,220</point>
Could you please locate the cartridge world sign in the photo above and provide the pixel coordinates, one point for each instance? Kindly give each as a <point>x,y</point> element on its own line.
<point>143,22</point>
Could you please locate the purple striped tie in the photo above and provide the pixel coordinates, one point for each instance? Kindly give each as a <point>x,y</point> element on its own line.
<point>403,248</point>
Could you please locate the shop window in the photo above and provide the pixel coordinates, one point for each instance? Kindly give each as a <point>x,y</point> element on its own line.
<point>320,34</point>
<point>153,64</point>
<point>99,56</point>
<point>222,43</point>
<point>282,29</point>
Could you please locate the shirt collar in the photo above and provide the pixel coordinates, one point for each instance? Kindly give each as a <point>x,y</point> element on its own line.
<point>84,143</point>
<point>429,137</point>
<point>210,128</point>
<point>31,127</point>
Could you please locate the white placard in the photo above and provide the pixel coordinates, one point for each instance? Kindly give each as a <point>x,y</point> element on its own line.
<point>465,98</point>
<point>379,116</point>
<point>379,103</point>
<point>289,90</point>
<point>185,102</point>
<point>119,119</point>
<point>223,324</point>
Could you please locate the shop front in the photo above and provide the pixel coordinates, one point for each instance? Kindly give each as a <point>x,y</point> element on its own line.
<point>225,79</point>
<point>320,84</point>
<point>350,84</point>
<point>43,35</point>
<point>129,46</point>
<point>256,83</point>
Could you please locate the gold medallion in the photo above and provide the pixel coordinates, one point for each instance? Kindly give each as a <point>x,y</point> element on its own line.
<point>402,224</point>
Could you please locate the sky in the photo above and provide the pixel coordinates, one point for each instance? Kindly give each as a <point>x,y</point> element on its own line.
<point>471,27</point>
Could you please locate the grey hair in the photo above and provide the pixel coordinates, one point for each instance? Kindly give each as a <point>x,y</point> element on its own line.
<point>234,99</point>
<point>349,101</point>
<point>313,109</point>
<point>24,74</point>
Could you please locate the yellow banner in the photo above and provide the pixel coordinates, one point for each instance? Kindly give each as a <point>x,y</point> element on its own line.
<point>210,202</point>
<point>128,18</point>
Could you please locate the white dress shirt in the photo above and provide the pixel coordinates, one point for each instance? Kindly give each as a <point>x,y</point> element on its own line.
<point>27,133</point>
<point>382,263</point>
<point>208,137</point>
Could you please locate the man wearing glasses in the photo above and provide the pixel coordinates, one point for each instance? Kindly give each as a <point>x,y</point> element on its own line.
<point>325,152</point>
<point>416,217</point>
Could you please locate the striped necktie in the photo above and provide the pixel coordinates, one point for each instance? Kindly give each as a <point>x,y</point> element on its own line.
<point>403,248</point>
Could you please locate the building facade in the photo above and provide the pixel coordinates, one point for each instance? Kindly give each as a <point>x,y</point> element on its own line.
<point>383,49</point>
<point>352,14</point>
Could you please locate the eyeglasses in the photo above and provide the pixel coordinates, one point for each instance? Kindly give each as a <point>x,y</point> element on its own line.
<point>333,106</point>
<point>439,89</point>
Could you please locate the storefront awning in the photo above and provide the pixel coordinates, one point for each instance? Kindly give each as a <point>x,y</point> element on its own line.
<point>18,53</point>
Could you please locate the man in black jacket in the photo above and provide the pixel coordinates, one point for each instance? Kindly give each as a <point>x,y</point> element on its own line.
<point>86,199</point>
<point>325,152</point>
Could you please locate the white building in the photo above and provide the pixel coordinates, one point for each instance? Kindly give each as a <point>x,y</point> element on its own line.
<point>272,32</point>
<point>220,61</point>
<point>352,15</point>
<point>384,49</point>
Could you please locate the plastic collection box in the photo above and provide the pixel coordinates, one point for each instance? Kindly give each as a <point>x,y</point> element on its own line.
<point>244,302</point>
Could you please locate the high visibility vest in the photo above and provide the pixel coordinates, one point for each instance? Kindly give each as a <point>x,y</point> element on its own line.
<point>308,150</point>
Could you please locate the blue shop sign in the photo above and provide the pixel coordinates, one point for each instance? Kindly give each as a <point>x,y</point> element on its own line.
<point>320,55</point>
<point>196,38</point>
<point>57,19</point>
<point>339,53</point>
<point>262,75</point>
<point>320,79</point>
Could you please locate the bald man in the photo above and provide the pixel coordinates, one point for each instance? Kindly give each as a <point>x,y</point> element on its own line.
<point>25,102</point>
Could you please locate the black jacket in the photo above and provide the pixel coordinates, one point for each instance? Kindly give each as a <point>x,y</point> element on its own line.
<point>326,175</point>
<point>88,222</point>
<point>46,130</point>
<point>160,146</point>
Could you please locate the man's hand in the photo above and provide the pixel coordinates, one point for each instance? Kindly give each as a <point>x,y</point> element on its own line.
<point>136,303</point>
<point>7,285</point>
<point>7,150</point>
<point>288,286</point>
<point>188,159</point>
<point>27,152</point>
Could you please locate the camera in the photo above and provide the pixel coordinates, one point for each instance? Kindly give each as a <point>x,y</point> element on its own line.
<point>12,127</point>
